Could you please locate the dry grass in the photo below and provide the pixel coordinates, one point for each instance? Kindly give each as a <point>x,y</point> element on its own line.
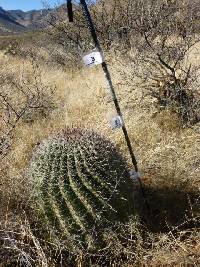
<point>168,156</point>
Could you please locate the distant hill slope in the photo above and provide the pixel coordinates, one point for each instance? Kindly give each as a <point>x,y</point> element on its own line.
<point>8,24</point>
<point>33,19</point>
<point>15,21</point>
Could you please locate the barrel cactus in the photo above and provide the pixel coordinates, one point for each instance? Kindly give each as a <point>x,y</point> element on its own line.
<point>81,182</point>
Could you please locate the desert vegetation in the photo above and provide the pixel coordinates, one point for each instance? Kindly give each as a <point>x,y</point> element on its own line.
<point>66,197</point>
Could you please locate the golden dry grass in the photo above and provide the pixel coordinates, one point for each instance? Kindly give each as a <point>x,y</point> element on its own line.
<point>168,154</point>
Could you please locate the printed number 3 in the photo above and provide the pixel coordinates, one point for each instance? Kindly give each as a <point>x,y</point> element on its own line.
<point>117,123</point>
<point>93,59</point>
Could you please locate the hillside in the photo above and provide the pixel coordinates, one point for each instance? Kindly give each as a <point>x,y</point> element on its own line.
<point>8,24</point>
<point>33,19</point>
<point>15,21</point>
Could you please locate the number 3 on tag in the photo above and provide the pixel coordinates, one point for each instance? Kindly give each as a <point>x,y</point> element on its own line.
<point>116,122</point>
<point>92,59</point>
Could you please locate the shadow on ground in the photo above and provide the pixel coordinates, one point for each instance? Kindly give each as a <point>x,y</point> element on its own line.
<point>170,208</point>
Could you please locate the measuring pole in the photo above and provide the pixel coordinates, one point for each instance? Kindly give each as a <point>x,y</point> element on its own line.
<point>70,10</point>
<point>111,88</point>
<point>108,78</point>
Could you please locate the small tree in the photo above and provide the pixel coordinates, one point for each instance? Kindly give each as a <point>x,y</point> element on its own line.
<point>25,98</point>
<point>168,33</point>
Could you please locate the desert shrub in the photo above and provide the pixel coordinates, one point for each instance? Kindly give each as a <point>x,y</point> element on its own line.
<point>177,97</point>
<point>12,48</point>
<point>160,60</point>
<point>23,98</point>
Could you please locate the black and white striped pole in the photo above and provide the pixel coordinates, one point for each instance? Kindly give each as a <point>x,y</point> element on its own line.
<point>135,174</point>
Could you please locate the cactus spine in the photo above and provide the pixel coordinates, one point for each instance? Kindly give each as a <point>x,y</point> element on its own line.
<point>81,182</point>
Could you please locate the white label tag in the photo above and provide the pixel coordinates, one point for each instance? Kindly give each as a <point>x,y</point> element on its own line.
<point>116,123</point>
<point>92,59</point>
<point>135,176</point>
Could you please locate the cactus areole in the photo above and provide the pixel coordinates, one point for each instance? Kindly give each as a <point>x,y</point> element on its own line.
<point>81,182</point>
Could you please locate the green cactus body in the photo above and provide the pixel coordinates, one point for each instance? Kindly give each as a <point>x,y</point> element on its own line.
<point>81,182</point>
